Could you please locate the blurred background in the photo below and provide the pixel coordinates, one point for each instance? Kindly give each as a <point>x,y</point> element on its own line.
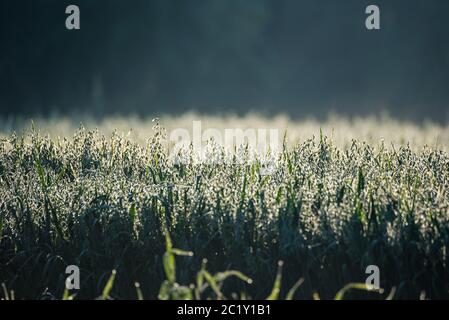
<point>298,57</point>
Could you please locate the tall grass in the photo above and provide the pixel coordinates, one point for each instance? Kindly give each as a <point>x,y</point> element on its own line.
<point>326,211</point>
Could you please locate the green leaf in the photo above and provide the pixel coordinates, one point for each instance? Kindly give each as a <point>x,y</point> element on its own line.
<point>164,291</point>
<point>107,289</point>
<point>181,293</point>
<point>60,175</point>
<point>360,286</point>
<point>200,280</point>
<point>41,173</point>
<point>274,295</point>
<point>67,295</point>
<point>180,252</point>
<point>221,276</point>
<point>138,291</point>
<point>292,291</point>
<point>168,261</point>
<point>213,284</point>
<point>279,195</point>
<point>391,294</point>
<point>5,292</point>
<point>168,243</point>
<point>133,213</point>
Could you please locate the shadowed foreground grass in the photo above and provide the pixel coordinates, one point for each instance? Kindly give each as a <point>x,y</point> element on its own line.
<point>327,212</point>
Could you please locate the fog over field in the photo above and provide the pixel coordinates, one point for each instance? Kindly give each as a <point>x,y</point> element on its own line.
<point>340,129</point>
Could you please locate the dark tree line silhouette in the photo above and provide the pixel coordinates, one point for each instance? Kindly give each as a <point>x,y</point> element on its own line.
<point>297,56</point>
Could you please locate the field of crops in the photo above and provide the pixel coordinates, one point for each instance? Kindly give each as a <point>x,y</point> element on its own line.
<point>355,193</point>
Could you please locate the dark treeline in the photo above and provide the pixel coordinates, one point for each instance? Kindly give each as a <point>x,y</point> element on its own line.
<point>296,56</point>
